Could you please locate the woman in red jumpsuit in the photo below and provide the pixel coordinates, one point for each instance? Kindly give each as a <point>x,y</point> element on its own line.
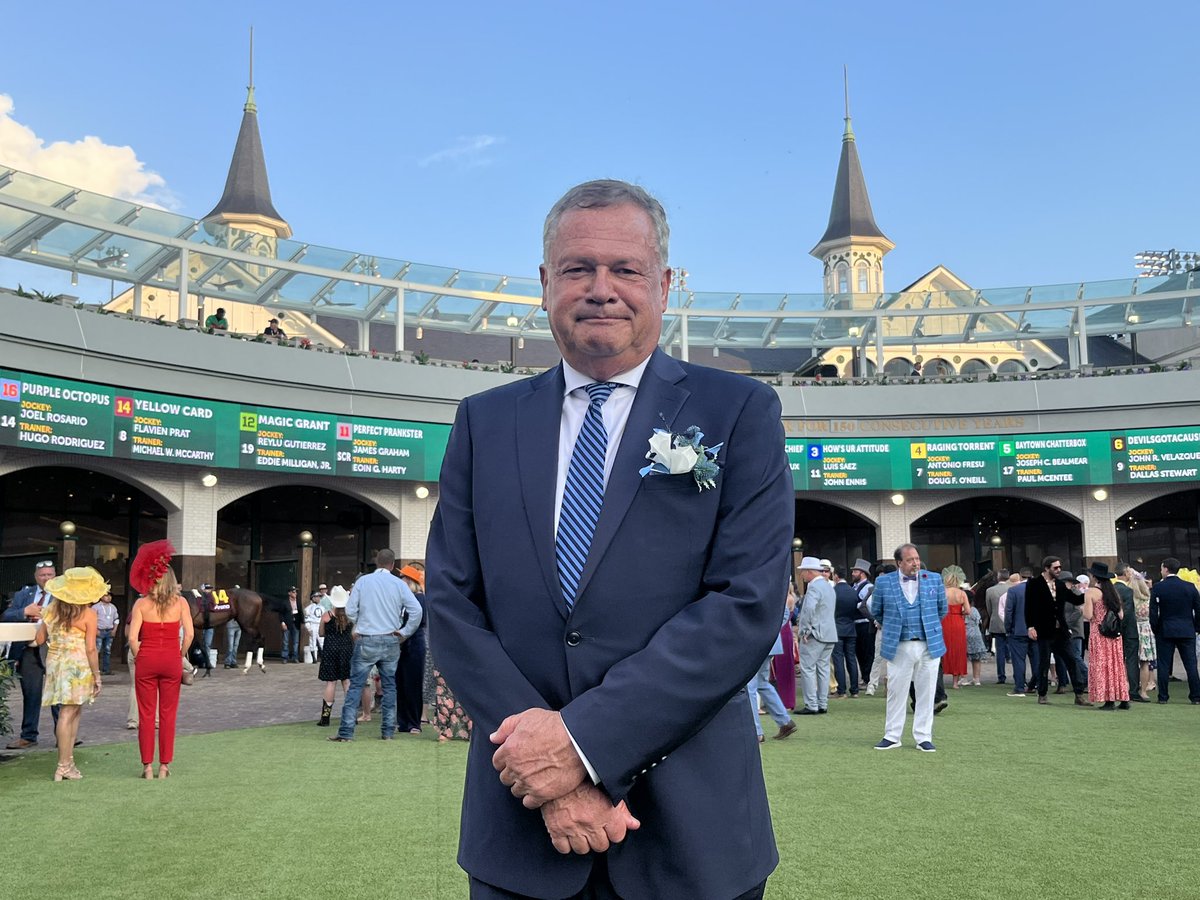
<point>160,626</point>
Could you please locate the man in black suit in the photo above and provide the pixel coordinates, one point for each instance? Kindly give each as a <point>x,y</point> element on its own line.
<point>845,653</point>
<point>1174,619</point>
<point>1045,599</point>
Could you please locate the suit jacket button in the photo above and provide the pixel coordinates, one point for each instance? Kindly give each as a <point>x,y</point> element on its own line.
<point>574,638</point>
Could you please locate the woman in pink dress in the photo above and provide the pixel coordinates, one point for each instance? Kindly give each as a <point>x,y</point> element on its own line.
<point>783,666</point>
<point>1107,680</point>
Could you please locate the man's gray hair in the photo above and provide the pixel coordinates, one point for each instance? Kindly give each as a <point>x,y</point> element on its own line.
<point>603,193</point>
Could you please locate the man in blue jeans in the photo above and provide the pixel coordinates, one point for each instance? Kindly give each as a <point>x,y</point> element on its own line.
<point>378,604</point>
<point>233,637</point>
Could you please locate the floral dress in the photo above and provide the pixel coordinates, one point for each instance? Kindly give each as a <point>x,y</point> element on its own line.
<point>449,718</point>
<point>976,649</point>
<point>1107,680</point>
<point>1146,646</point>
<point>69,679</point>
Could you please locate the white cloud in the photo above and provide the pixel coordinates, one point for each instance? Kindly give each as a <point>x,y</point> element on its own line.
<point>466,152</point>
<point>89,163</point>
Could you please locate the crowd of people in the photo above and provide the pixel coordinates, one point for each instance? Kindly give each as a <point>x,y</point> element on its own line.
<point>1110,638</point>
<point>378,624</point>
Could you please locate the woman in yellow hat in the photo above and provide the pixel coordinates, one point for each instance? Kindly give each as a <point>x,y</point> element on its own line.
<point>72,664</point>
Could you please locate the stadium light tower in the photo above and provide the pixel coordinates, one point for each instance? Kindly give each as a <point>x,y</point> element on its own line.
<point>1151,263</point>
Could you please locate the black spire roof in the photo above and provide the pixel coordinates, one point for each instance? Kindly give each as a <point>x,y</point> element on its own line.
<point>247,192</point>
<point>850,215</point>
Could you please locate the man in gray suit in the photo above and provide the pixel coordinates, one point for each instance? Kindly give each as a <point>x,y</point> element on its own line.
<point>996,621</point>
<point>818,634</point>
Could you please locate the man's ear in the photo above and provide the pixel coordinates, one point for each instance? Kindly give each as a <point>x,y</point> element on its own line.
<point>544,276</point>
<point>665,286</point>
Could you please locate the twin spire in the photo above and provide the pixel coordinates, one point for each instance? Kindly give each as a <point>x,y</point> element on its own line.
<point>247,196</point>
<point>850,216</point>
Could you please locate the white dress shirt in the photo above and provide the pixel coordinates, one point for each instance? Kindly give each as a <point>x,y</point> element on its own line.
<point>615,414</point>
<point>910,587</point>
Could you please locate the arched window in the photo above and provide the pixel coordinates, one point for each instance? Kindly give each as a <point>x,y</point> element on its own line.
<point>842,274</point>
<point>937,368</point>
<point>898,365</point>
<point>974,367</point>
<point>862,272</point>
<point>1011,366</point>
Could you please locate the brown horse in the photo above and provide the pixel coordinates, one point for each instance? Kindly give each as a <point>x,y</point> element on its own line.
<point>246,607</point>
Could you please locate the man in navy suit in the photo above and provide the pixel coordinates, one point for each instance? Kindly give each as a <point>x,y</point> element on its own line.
<point>27,606</point>
<point>597,619</point>
<point>1174,619</point>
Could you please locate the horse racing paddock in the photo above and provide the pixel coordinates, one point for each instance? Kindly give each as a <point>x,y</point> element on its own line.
<point>1019,801</point>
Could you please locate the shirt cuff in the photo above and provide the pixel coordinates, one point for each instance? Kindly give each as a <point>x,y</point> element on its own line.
<point>582,758</point>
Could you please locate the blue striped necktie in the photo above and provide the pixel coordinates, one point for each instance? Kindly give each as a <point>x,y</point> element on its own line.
<point>583,493</point>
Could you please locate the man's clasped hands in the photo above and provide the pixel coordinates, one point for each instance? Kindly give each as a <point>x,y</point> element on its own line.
<point>537,761</point>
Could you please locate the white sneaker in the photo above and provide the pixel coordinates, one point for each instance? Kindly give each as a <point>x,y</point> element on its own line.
<point>870,692</point>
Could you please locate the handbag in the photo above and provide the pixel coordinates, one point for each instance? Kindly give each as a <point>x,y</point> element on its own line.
<point>1110,625</point>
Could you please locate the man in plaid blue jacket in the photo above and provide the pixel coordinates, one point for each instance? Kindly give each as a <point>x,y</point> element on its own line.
<point>909,605</point>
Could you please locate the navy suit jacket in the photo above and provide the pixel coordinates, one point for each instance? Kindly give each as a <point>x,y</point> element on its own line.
<point>1174,608</point>
<point>678,605</point>
<point>16,613</point>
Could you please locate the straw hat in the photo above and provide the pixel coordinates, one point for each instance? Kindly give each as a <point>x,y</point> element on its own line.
<point>339,596</point>
<point>811,563</point>
<point>80,586</point>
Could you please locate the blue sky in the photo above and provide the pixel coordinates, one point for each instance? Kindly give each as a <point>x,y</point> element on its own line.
<point>1017,143</point>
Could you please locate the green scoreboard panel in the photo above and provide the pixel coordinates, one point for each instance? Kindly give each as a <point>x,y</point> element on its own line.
<point>846,465</point>
<point>59,415</point>
<point>969,462</point>
<point>1155,455</point>
<point>76,417</point>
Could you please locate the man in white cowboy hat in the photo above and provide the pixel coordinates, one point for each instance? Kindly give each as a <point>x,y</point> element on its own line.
<point>28,605</point>
<point>817,635</point>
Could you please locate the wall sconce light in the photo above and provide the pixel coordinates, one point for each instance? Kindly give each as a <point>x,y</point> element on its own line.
<point>1100,494</point>
<point>420,333</point>
<point>898,499</point>
<point>422,492</point>
<point>208,479</point>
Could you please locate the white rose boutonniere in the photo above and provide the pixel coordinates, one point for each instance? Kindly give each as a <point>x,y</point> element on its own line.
<point>680,454</point>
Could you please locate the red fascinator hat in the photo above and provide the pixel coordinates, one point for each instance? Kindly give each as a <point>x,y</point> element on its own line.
<point>150,565</point>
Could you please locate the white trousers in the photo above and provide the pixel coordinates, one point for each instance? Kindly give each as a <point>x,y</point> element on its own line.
<point>911,665</point>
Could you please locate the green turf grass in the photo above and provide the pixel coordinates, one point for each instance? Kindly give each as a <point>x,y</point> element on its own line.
<point>1018,802</point>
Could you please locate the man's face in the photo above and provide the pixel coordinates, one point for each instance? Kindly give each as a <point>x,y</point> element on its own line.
<point>1051,571</point>
<point>857,574</point>
<point>605,289</point>
<point>42,574</point>
<point>809,574</point>
<point>909,562</point>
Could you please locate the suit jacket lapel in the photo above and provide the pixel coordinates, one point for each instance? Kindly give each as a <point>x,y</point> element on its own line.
<point>658,400</point>
<point>539,414</point>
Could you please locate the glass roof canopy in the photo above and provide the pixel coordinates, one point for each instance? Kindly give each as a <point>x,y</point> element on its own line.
<point>50,224</point>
